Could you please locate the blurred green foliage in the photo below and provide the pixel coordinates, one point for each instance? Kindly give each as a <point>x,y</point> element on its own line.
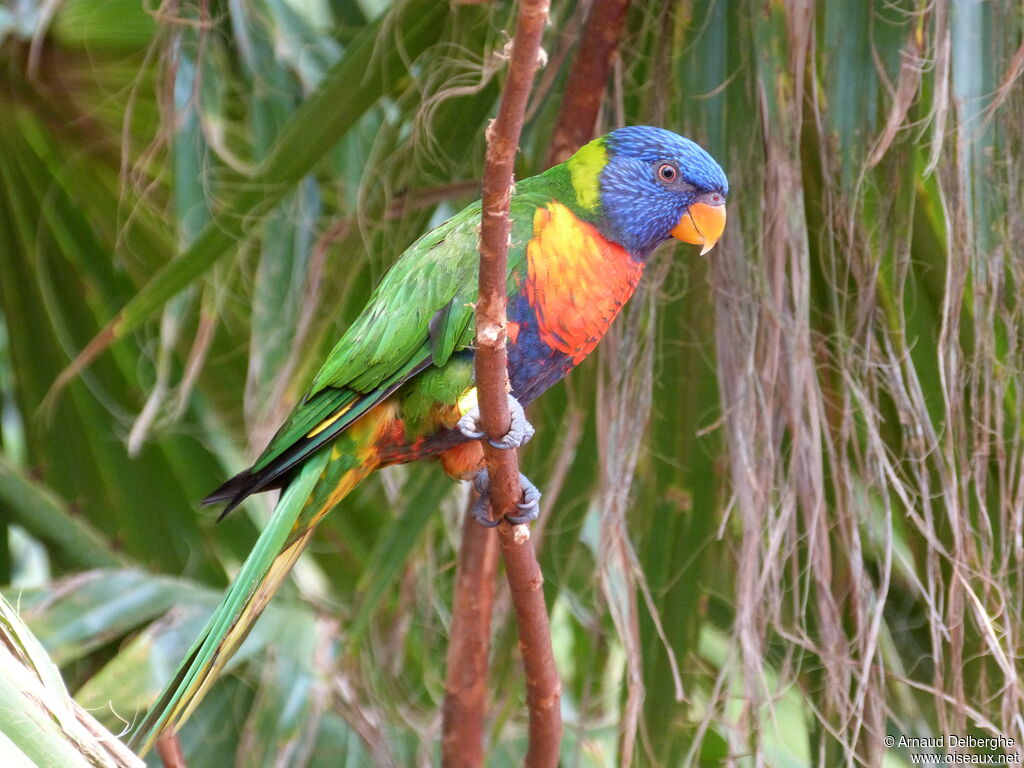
<point>782,503</point>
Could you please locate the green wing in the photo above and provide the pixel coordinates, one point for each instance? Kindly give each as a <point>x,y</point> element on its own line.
<point>419,315</point>
<point>437,274</point>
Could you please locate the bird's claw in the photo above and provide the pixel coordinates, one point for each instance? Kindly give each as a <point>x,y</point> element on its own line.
<point>530,505</point>
<point>519,432</point>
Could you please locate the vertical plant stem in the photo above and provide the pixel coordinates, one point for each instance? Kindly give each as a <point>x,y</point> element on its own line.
<point>462,727</point>
<point>169,749</point>
<point>543,688</point>
<point>588,77</point>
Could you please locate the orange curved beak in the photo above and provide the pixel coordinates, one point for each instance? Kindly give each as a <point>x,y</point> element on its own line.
<point>702,224</point>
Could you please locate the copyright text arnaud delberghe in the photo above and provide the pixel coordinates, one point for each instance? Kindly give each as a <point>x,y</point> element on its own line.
<point>991,744</point>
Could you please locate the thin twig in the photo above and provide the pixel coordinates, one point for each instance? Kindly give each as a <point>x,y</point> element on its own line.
<point>462,726</point>
<point>543,688</point>
<point>169,749</point>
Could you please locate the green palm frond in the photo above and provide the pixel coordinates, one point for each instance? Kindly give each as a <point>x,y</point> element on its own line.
<point>40,724</point>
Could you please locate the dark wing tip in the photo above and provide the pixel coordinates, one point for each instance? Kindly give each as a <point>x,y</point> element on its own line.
<point>234,491</point>
<point>242,486</point>
<point>229,490</point>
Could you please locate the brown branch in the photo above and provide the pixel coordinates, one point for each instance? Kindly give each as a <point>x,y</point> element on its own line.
<point>169,749</point>
<point>462,722</point>
<point>543,688</point>
<point>588,78</point>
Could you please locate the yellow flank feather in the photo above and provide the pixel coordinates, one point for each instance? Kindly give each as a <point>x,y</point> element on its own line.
<point>467,401</point>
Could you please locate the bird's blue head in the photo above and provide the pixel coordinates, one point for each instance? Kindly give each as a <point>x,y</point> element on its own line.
<point>647,184</point>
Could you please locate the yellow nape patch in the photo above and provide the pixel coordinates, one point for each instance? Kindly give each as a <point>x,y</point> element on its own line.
<point>467,402</point>
<point>329,420</point>
<point>585,171</point>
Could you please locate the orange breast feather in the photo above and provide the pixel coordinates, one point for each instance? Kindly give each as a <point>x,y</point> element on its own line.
<point>577,280</point>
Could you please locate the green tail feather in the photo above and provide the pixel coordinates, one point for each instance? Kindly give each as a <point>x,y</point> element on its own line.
<point>187,686</point>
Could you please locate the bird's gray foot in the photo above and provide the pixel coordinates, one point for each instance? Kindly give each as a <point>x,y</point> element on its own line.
<point>519,433</point>
<point>529,506</point>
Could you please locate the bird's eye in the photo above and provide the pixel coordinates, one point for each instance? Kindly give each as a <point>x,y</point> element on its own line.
<point>667,172</point>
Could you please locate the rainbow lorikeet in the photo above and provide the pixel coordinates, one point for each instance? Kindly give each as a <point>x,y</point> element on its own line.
<point>399,385</point>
